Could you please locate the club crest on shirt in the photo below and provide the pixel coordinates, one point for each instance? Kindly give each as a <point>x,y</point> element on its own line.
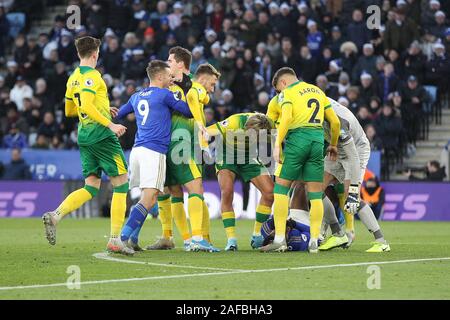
<point>89,82</point>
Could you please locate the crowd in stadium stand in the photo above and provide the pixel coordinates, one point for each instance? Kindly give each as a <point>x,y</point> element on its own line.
<point>378,74</point>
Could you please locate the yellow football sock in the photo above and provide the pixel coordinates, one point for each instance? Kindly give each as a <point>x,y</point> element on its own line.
<point>229,223</point>
<point>195,209</point>
<point>349,218</point>
<point>179,216</point>
<point>75,200</point>
<point>280,210</point>
<point>205,223</point>
<point>118,208</point>
<point>165,215</point>
<point>316,213</point>
<point>262,214</point>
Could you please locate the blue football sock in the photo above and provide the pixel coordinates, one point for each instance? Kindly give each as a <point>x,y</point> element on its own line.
<point>135,234</point>
<point>135,220</point>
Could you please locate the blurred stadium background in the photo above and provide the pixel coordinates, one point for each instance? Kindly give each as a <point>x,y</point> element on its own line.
<point>395,79</point>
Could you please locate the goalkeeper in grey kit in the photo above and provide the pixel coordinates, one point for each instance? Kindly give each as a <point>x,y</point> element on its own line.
<point>354,154</point>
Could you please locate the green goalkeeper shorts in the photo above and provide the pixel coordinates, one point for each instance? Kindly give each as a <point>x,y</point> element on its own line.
<point>105,155</point>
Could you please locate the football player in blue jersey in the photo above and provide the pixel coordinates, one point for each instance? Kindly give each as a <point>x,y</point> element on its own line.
<point>152,107</point>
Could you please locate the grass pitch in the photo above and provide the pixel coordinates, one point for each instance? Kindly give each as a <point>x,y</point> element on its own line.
<point>27,260</point>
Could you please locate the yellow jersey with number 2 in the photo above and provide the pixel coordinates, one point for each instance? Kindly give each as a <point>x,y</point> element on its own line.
<point>308,104</point>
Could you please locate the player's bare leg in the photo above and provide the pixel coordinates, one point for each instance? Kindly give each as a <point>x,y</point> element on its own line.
<point>265,185</point>
<point>281,210</point>
<point>73,201</point>
<point>118,208</point>
<point>226,180</point>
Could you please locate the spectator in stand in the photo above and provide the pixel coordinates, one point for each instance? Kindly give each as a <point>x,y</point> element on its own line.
<point>42,142</point>
<point>66,48</point>
<point>261,103</point>
<point>354,102</point>
<point>48,127</point>
<point>314,39</point>
<point>373,194</point>
<point>288,57</point>
<point>438,68</point>
<point>20,91</point>
<point>439,27</point>
<point>135,66</point>
<point>15,138</point>
<point>414,61</point>
<point>368,88</point>
<point>388,82</point>
<point>389,127</point>
<point>198,57</point>
<point>376,144</point>
<point>374,107</point>
<point>330,90</point>
<point>364,116</point>
<point>307,65</point>
<point>433,172</point>
<point>112,58</point>
<point>400,32</point>
<point>336,41</point>
<point>242,84</point>
<point>365,64</point>
<point>349,53</point>
<point>17,169</point>
<point>413,96</point>
<point>357,31</point>
<point>428,12</point>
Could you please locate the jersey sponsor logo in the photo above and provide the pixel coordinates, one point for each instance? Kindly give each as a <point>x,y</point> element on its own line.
<point>89,83</point>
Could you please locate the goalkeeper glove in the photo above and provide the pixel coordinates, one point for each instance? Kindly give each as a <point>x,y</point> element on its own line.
<point>352,202</point>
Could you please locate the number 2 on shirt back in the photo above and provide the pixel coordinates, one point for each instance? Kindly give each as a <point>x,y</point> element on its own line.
<point>314,102</point>
<point>143,109</point>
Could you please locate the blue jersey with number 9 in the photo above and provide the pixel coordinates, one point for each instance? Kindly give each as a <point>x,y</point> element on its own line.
<point>153,108</point>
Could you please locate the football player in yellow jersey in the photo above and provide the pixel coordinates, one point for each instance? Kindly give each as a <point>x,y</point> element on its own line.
<point>237,157</point>
<point>185,169</point>
<point>100,150</point>
<point>171,207</point>
<point>303,108</point>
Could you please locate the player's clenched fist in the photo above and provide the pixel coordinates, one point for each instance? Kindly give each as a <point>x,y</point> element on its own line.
<point>118,129</point>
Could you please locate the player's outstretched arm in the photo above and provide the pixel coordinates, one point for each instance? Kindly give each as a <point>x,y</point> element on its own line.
<point>177,104</point>
<point>124,110</point>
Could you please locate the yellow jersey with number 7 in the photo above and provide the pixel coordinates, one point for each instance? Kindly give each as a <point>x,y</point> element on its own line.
<point>90,80</point>
<point>308,104</point>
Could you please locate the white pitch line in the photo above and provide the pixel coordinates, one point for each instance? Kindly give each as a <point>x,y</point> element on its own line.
<point>222,273</point>
<point>105,256</point>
